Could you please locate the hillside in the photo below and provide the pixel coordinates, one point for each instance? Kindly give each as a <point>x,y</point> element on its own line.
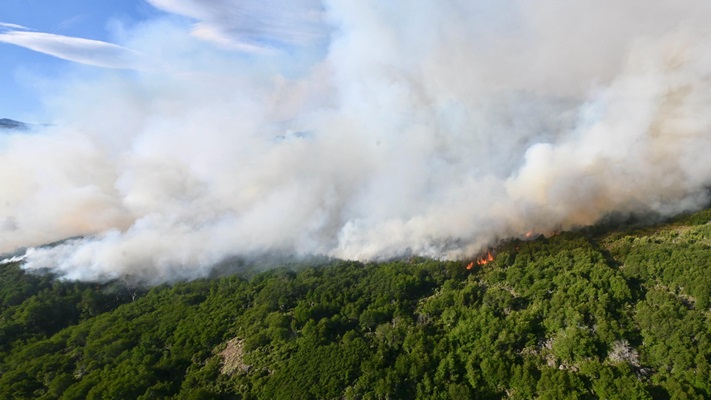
<point>619,314</point>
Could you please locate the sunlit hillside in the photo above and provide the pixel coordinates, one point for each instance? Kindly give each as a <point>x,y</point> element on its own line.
<point>614,314</point>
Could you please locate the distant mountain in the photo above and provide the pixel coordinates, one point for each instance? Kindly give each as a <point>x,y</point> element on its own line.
<point>6,123</point>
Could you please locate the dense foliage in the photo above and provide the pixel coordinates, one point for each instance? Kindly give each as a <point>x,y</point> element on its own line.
<point>578,315</point>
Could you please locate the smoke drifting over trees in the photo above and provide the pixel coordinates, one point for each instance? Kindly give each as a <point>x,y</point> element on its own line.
<point>431,129</point>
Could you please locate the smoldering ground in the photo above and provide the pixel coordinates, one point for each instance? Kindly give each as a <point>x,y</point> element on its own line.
<point>360,130</point>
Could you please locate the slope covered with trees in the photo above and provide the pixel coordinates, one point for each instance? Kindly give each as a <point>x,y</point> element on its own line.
<point>584,315</point>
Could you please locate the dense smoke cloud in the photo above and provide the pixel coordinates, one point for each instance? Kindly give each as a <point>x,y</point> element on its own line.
<point>431,128</point>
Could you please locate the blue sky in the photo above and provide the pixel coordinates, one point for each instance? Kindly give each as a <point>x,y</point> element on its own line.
<point>42,41</point>
<point>23,70</point>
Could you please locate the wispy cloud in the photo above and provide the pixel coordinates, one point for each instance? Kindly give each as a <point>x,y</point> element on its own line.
<point>251,25</point>
<point>84,51</point>
<point>4,26</point>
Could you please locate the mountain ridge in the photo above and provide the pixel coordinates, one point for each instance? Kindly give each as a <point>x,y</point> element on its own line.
<point>11,124</point>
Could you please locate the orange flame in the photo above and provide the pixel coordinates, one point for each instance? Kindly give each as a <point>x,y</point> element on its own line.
<point>481,261</point>
<point>486,259</point>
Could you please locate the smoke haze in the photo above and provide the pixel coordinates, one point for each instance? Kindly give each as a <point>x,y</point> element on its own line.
<point>361,130</point>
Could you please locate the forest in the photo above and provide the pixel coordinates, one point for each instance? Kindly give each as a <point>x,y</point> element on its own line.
<point>609,313</point>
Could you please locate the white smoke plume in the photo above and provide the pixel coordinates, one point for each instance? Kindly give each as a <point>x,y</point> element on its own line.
<point>411,127</point>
